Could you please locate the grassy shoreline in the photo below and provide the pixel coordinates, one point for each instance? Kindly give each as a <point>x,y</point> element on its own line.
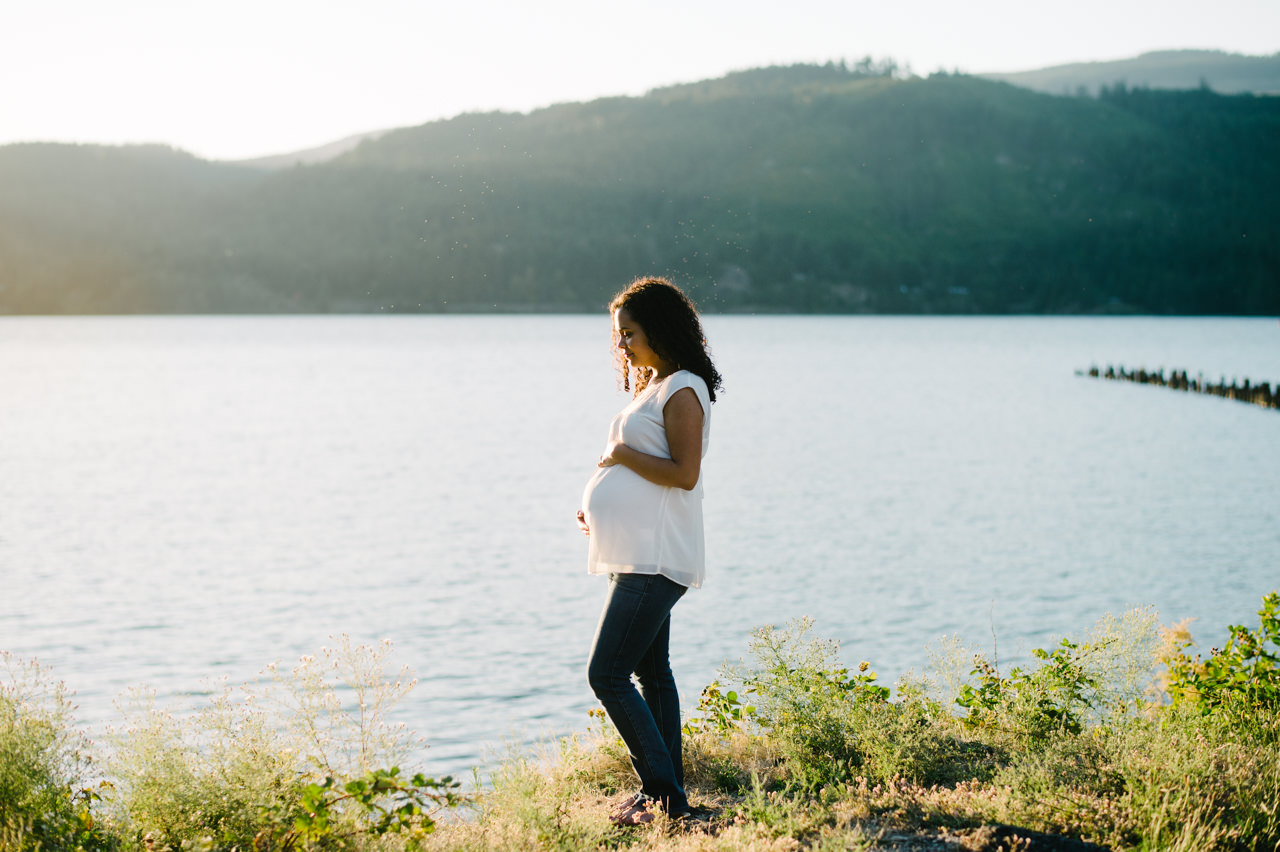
<point>1118,739</point>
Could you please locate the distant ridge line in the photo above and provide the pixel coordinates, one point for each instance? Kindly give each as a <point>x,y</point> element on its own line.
<point>1222,72</point>
<point>310,156</point>
<point>1225,73</point>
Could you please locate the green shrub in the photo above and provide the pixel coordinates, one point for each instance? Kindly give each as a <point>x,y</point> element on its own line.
<point>834,726</point>
<point>916,740</point>
<point>721,711</point>
<point>389,805</point>
<point>1176,777</point>
<point>43,764</point>
<point>212,776</point>
<point>809,704</point>
<point>1103,678</point>
<point>1032,704</point>
<point>1245,671</point>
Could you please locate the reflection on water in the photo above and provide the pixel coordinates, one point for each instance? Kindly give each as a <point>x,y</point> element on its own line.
<point>187,498</point>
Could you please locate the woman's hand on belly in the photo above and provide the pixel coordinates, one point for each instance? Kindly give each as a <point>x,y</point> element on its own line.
<point>582,523</point>
<point>611,453</point>
<point>683,417</point>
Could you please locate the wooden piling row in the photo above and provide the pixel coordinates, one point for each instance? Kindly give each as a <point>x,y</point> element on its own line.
<point>1260,394</point>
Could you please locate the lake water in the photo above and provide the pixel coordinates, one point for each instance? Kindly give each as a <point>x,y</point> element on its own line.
<point>186,498</point>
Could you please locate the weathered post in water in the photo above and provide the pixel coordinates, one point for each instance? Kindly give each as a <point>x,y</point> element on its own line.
<point>1260,394</point>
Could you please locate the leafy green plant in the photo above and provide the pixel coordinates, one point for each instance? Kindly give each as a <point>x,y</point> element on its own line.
<point>788,657</point>
<point>385,803</point>
<point>721,711</point>
<point>1244,671</point>
<point>1052,697</point>
<point>809,703</point>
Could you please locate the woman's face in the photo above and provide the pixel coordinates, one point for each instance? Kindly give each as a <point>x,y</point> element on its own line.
<point>630,338</point>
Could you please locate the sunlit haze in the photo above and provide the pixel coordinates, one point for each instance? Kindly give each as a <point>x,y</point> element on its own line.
<point>236,79</point>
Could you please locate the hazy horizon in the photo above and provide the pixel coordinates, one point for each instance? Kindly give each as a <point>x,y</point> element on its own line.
<point>239,80</point>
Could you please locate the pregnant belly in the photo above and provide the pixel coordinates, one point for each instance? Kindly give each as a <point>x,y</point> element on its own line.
<point>617,496</point>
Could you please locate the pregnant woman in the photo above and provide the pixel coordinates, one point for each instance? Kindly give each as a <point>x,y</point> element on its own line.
<point>642,511</point>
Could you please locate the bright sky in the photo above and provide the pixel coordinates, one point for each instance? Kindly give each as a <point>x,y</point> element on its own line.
<point>242,78</point>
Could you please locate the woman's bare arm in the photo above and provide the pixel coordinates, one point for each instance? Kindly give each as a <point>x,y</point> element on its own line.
<point>682,416</point>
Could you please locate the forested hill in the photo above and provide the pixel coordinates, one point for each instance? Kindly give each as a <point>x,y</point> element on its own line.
<point>784,189</point>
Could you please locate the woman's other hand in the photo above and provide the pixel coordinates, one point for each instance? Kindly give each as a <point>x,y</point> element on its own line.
<point>610,456</point>
<point>682,418</point>
<point>582,523</point>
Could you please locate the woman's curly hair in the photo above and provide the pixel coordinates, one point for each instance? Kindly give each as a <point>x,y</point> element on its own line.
<point>671,325</point>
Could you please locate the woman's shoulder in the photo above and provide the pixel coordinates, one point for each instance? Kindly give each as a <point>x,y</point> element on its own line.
<point>681,379</point>
<point>684,379</point>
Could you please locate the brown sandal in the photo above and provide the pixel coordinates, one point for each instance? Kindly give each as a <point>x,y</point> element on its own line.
<point>635,811</point>
<point>628,802</point>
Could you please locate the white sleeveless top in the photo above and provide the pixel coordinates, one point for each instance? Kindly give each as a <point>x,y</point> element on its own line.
<point>637,526</point>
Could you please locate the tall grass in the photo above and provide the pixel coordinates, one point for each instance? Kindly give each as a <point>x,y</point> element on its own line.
<point>305,758</point>
<point>796,750</point>
<point>1116,737</point>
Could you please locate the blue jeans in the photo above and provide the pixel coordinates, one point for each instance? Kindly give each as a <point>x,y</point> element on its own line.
<point>633,637</point>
